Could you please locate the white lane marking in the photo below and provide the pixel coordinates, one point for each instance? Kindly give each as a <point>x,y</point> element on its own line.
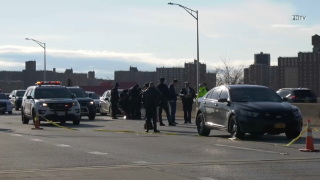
<point>141,162</point>
<point>97,153</point>
<point>206,178</point>
<point>36,140</point>
<point>250,149</point>
<point>16,135</point>
<point>63,145</point>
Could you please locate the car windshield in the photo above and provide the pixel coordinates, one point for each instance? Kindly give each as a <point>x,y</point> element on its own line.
<point>254,95</point>
<point>20,93</point>
<point>94,96</point>
<point>80,93</point>
<point>3,96</point>
<point>303,93</point>
<point>48,93</point>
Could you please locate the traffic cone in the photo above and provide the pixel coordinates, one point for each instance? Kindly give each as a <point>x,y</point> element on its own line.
<point>37,123</point>
<point>309,142</point>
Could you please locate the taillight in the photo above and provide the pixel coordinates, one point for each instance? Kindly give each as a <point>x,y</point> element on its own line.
<point>292,97</point>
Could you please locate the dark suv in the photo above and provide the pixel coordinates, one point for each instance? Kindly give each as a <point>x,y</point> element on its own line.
<point>16,98</point>
<point>298,95</point>
<point>87,105</point>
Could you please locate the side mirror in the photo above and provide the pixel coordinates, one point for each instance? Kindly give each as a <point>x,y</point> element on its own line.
<point>285,99</point>
<point>29,97</point>
<point>73,95</point>
<point>222,100</point>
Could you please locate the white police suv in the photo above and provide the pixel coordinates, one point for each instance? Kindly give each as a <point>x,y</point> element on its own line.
<point>5,104</point>
<point>52,102</point>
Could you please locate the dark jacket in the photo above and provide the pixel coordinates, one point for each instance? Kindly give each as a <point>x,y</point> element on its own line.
<point>134,94</point>
<point>114,95</point>
<point>183,95</point>
<point>164,90</point>
<point>172,93</point>
<point>151,97</point>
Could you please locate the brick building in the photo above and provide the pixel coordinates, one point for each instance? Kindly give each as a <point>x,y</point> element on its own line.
<point>273,77</point>
<point>171,73</point>
<point>258,74</point>
<point>191,73</point>
<point>133,75</point>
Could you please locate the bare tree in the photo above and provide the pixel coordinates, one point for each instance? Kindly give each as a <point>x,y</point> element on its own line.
<point>228,74</point>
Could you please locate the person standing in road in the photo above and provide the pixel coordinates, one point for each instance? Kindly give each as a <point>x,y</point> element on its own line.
<point>164,104</point>
<point>114,101</point>
<point>134,100</point>
<point>151,99</point>
<point>187,95</point>
<point>205,84</point>
<point>173,102</point>
<point>202,90</point>
<point>124,103</point>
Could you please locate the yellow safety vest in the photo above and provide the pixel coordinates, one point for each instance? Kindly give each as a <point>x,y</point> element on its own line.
<point>202,92</point>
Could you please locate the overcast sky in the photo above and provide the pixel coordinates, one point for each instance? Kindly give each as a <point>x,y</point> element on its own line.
<point>109,35</point>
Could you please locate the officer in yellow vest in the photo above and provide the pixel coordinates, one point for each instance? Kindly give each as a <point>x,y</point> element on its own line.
<point>202,90</point>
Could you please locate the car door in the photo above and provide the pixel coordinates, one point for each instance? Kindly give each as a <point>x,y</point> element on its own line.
<point>26,103</point>
<point>214,100</point>
<point>108,102</point>
<point>11,97</point>
<point>210,105</point>
<point>222,108</point>
<point>103,102</point>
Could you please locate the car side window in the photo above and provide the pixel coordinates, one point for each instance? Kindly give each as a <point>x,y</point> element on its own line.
<point>29,92</point>
<point>108,94</point>
<point>224,94</point>
<point>32,93</point>
<point>284,93</point>
<point>208,95</point>
<point>215,94</point>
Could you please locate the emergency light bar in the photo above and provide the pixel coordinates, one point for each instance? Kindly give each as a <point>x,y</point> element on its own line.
<point>48,83</point>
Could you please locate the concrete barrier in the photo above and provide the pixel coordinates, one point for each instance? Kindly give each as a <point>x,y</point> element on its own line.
<point>309,111</point>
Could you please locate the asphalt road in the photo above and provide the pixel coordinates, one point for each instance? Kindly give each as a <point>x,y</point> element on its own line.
<point>121,150</point>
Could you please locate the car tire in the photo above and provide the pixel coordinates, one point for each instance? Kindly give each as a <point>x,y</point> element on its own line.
<point>292,134</point>
<point>234,128</point>
<point>24,119</point>
<point>92,116</point>
<point>201,127</point>
<point>9,112</point>
<point>76,122</point>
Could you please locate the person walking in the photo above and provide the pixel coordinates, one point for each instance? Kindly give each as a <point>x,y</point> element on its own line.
<point>187,95</point>
<point>151,99</point>
<point>202,90</point>
<point>173,102</point>
<point>114,101</point>
<point>164,104</point>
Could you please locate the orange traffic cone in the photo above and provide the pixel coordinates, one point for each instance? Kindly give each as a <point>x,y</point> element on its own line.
<point>309,142</point>
<point>37,123</point>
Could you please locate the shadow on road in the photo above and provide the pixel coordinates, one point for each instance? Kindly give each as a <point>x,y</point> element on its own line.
<point>69,125</point>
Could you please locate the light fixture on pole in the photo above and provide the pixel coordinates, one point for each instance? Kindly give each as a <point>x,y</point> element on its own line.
<point>190,11</point>
<point>43,45</point>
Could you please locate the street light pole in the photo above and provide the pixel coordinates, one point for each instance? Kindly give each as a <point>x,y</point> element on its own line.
<point>43,45</point>
<point>190,11</point>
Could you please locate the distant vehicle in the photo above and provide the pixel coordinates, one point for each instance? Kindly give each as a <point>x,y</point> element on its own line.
<point>298,95</point>
<point>88,107</point>
<point>241,109</point>
<point>105,103</point>
<point>51,101</point>
<point>96,99</point>
<point>5,104</point>
<point>16,98</point>
<point>7,94</point>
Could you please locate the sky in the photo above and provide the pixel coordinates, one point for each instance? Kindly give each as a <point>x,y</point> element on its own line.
<point>110,35</point>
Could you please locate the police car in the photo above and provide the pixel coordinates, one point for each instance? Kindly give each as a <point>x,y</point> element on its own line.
<point>5,104</point>
<point>52,102</point>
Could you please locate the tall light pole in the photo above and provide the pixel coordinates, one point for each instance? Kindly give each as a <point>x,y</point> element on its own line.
<point>43,45</point>
<point>190,11</point>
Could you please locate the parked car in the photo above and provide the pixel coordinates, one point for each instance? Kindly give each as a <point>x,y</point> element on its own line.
<point>105,103</point>
<point>16,98</point>
<point>96,99</point>
<point>5,104</point>
<point>241,109</point>
<point>298,95</point>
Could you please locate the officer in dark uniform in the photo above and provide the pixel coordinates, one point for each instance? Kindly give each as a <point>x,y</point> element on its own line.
<point>134,100</point>
<point>124,103</point>
<point>164,104</point>
<point>114,101</point>
<point>151,99</point>
<point>145,87</point>
<point>187,95</point>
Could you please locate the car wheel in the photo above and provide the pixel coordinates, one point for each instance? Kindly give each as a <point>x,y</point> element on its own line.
<point>76,122</point>
<point>24,119</point>
<point>201,127</point>
<point>9,112</point>
<point>292,134</point>
<point>234,128</point>
<point>92,116</point>
<point>62,122</point>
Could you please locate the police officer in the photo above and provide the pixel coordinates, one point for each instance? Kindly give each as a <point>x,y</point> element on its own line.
<point>151,99</point>
<point>187,95</point>
<point>114,101</point>
<point>145,87</point>
<point>202,90</point>
<point>134,100</point>
<point>164,104</point>
<point>124,103</point>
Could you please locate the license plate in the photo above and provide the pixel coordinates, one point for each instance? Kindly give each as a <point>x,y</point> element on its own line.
<point>280,125</point>
<point>61,113</point>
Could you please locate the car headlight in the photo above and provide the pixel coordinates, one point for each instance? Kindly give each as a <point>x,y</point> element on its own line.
<point>248,113</point>
<point>74,104</point>
<point>297,113</point>
<point>92,102</point>
<point>43,104</point>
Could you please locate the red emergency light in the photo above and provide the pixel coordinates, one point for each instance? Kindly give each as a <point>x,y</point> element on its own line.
<point>49,83</point>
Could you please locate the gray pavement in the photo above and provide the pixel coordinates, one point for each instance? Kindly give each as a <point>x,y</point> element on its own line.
<point>123,151</point>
